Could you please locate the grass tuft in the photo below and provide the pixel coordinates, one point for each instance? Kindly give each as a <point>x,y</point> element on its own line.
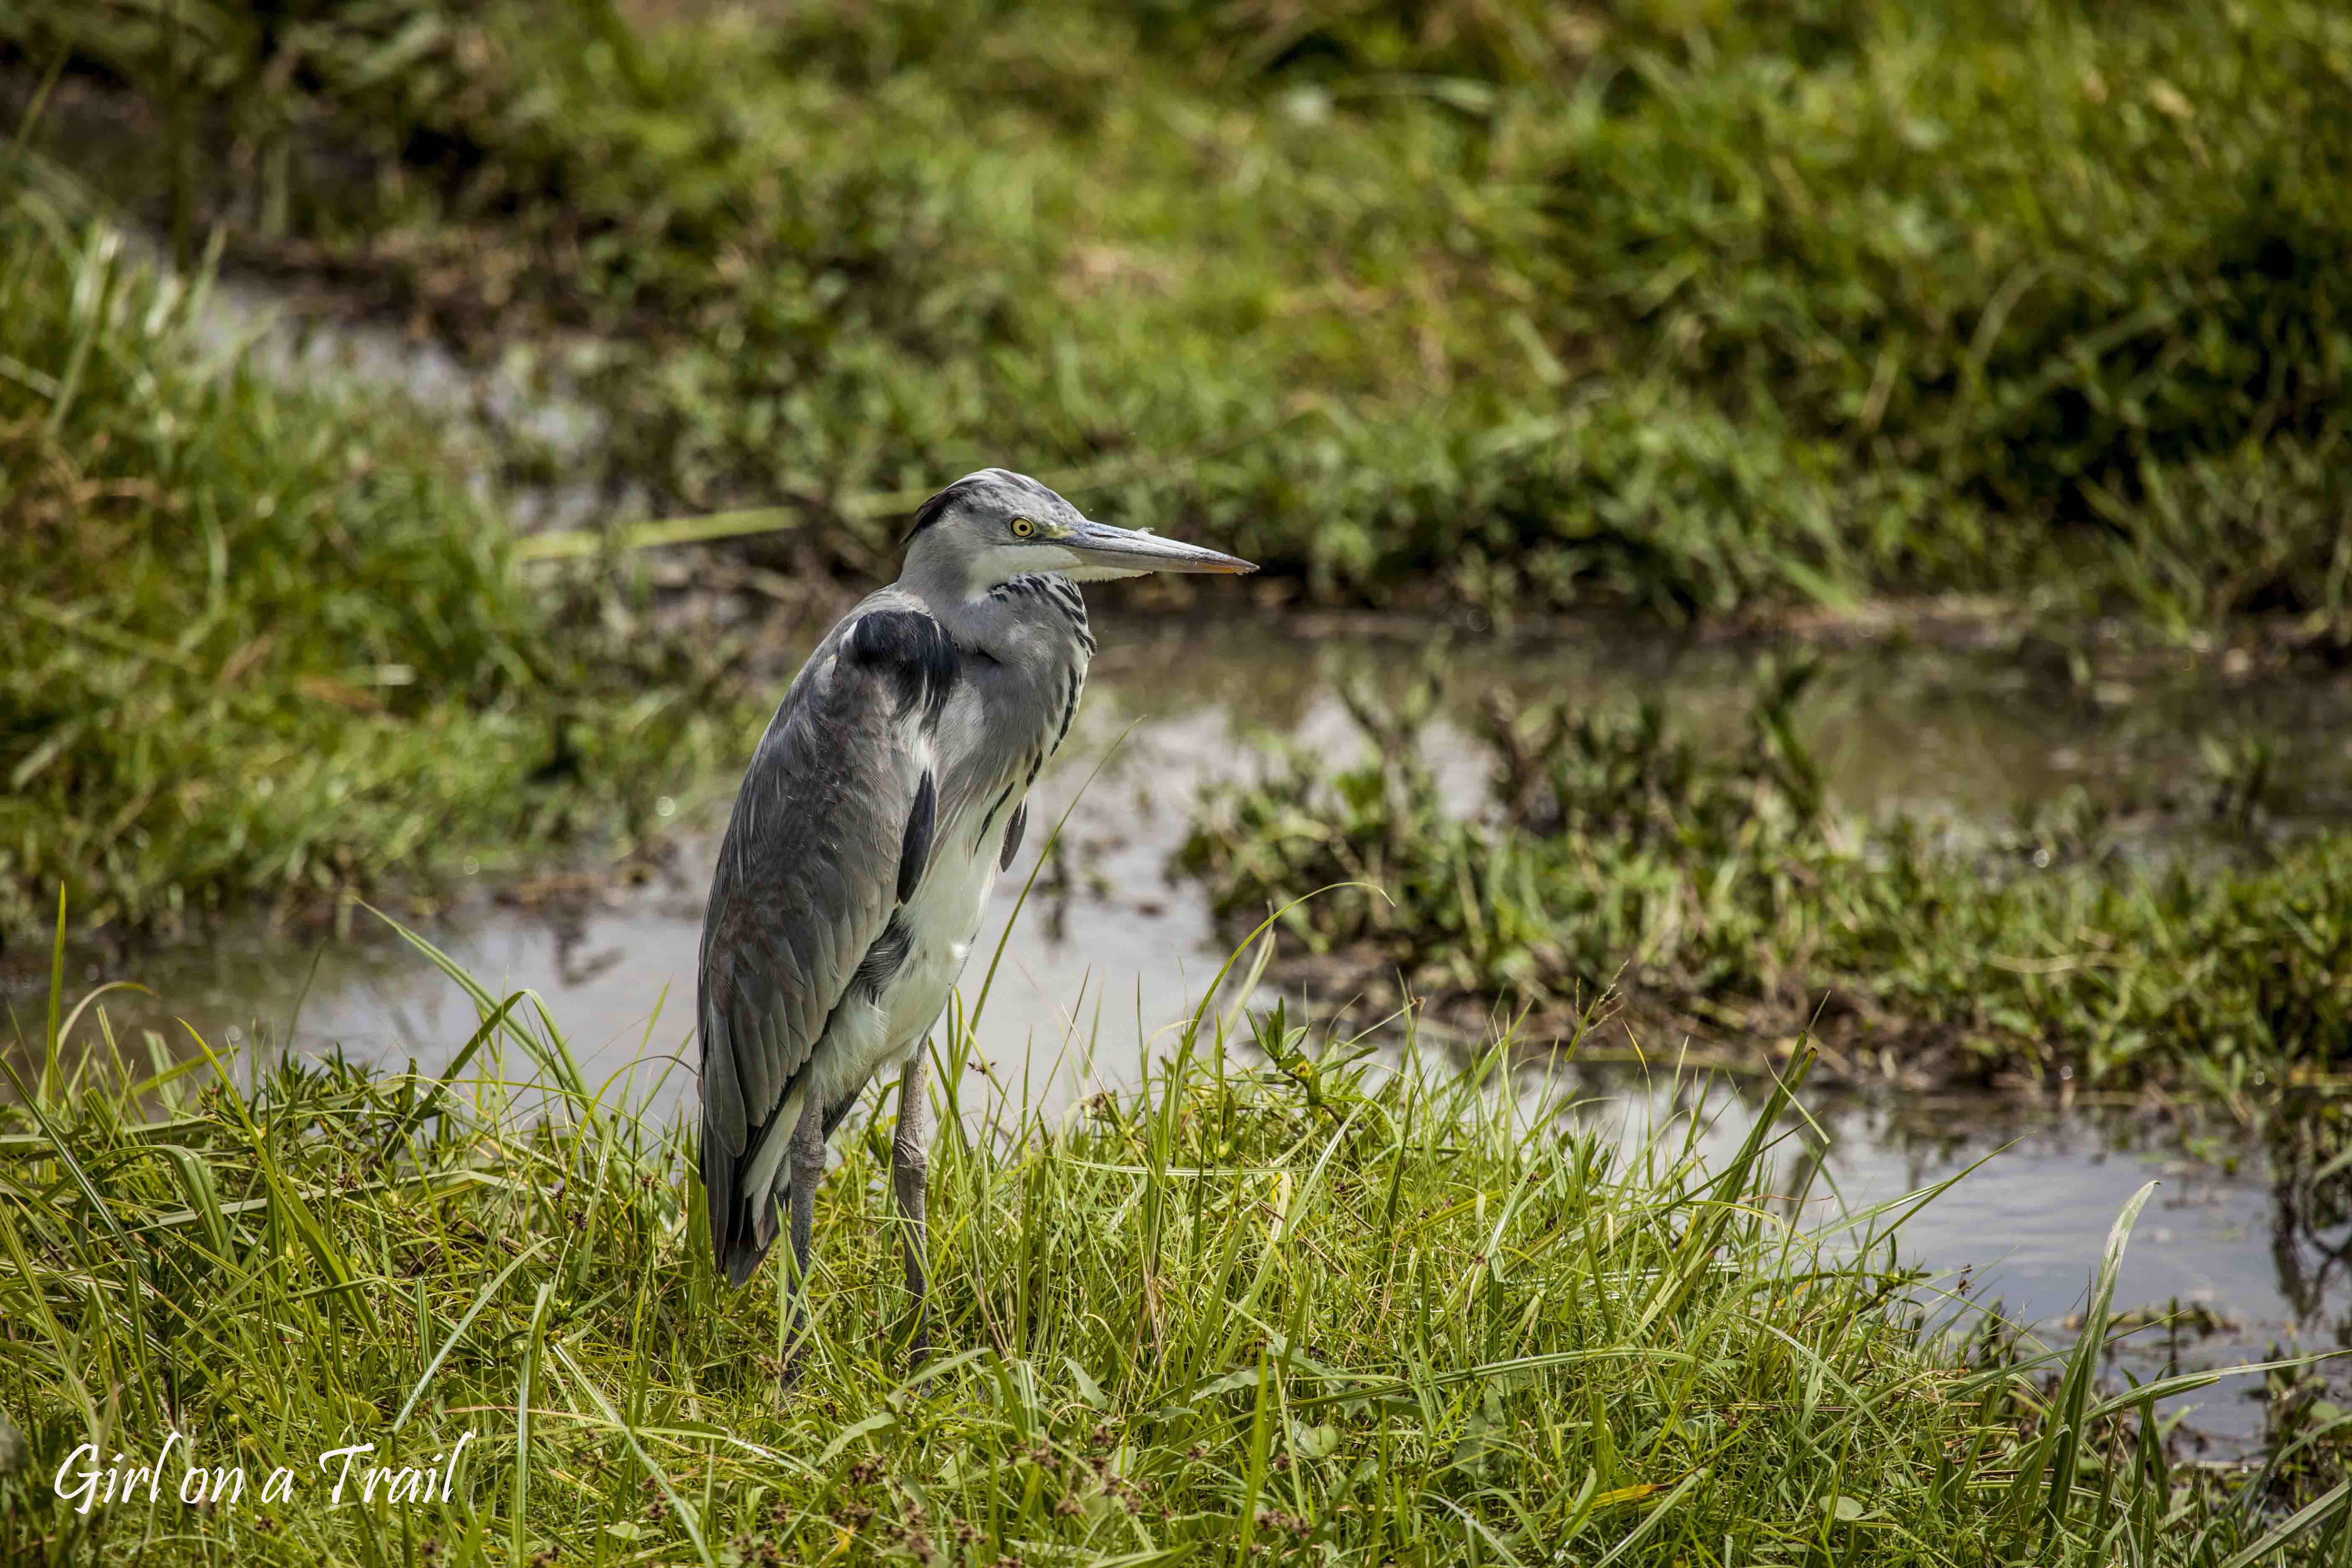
<point>258,642</point>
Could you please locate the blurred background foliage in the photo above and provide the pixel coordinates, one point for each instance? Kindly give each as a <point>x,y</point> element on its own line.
<point>1695,307</point>
<point>1675,306</point>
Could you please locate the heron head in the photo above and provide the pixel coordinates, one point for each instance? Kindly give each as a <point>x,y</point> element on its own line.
<point>995,525</point>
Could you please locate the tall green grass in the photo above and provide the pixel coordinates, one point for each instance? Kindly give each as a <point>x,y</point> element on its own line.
<point>1281,1304</point>
<point>259,641</point>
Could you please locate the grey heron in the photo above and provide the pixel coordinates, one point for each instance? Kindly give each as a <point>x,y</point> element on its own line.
<point>887,795</point>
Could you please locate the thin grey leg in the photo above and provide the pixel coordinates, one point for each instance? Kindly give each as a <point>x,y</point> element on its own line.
<point>808,1170</point>
<point>911,1163</point>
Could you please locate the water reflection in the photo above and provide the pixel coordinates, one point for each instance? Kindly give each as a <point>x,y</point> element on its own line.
<point>2239,1256</point>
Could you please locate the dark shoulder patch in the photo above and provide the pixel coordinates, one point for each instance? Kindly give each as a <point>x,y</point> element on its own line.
<point>914,651</point>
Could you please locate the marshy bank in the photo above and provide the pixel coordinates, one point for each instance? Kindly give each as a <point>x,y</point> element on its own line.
<point>2245,1243</point>
<point>1703,320</point>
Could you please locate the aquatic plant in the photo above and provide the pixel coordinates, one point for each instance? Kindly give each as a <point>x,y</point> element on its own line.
<point>1720,896</point>
<point>1297,1309</point>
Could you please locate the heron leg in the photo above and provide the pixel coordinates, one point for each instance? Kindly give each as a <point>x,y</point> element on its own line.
<point>911,1163</point>
<point>807,1158</point>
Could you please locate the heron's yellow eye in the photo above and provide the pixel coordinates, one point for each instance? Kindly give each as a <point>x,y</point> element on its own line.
<point>1023,528</point>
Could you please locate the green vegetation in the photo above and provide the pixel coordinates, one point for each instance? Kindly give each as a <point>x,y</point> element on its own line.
<point>1694,308</point>
<point>259,641</point>
<point>1300,1313</point>
<point>1722,896</point>
<point>1698,307</point>
<point>1690,307</point>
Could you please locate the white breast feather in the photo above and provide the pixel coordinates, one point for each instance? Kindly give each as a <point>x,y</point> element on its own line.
<point>944,915</point>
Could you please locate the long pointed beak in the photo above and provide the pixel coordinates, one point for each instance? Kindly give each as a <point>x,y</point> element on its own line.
<point>1130,550</point>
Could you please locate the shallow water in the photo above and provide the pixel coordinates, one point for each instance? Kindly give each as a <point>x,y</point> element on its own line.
<point>1172,707</point>
<point>1108,955</point>
<point>2233,1259</point>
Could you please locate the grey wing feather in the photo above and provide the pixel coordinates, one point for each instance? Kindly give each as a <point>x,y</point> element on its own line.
<point>807,877</point>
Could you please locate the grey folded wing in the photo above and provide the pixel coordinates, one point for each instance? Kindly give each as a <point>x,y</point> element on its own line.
<point>835,804</point>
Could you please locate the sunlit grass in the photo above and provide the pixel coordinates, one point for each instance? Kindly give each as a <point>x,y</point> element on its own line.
<point>260,643</point>
<point>1277,1303</point>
